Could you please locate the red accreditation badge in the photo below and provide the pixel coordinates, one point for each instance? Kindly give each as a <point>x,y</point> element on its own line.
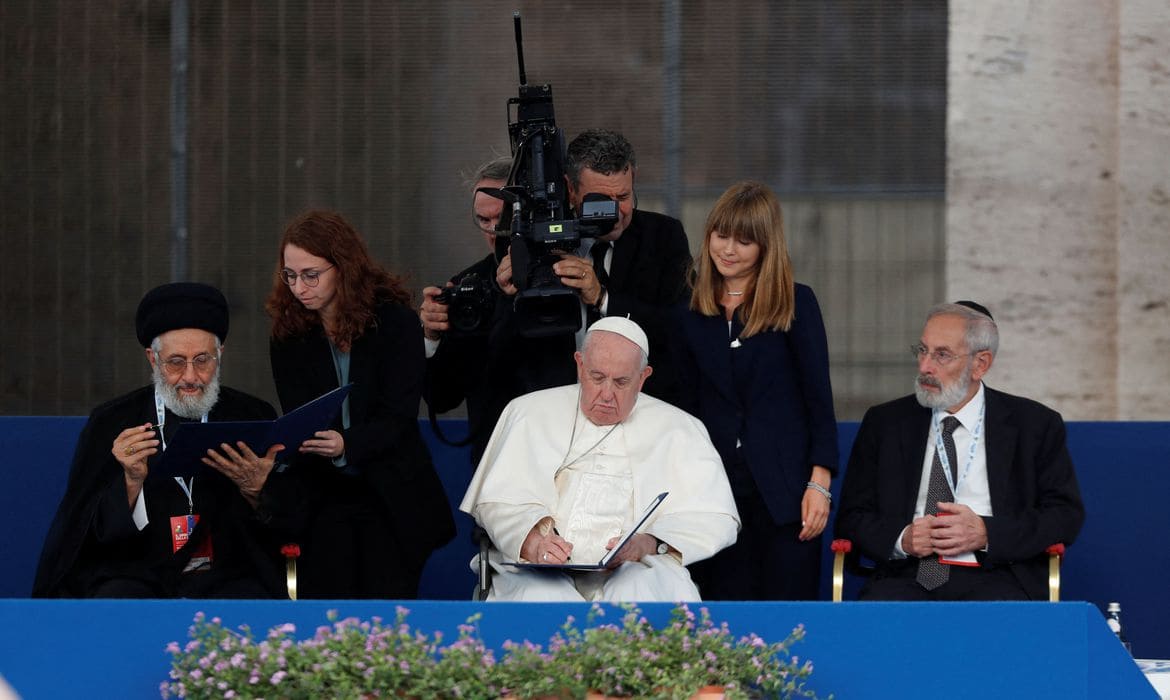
<point>964,559</point>
<point>182,527</point>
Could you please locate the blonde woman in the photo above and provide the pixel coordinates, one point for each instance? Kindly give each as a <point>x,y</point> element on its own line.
<point>754,367</point>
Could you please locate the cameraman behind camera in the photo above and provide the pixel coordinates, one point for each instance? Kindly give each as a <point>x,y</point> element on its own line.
<point>456,339</point>
<point>638,269</point>
<point>485,211</point>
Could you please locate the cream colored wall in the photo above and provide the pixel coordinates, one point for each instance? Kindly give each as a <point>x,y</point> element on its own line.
<point>1058,139</point>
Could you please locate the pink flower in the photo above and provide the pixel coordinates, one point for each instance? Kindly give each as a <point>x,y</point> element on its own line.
<point>277,677</point>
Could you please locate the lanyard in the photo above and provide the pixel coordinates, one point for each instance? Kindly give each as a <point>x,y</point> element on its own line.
<point>945,458</point>
<point>160,410</point>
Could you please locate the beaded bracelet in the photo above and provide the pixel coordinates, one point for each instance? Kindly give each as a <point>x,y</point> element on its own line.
<point>820,489</point>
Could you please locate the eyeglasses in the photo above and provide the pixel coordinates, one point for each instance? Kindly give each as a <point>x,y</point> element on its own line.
<point>311,278</point>
<point>941,358</point>
<point>175,366</point>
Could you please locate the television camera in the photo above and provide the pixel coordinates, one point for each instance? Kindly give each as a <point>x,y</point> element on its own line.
<point>537,226</point>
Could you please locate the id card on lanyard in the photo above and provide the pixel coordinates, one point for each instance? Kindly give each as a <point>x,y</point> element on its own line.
<point>182,526</point>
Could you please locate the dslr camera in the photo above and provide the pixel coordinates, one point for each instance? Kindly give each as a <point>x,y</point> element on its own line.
<point>537,226</point>
<point>470,304</point>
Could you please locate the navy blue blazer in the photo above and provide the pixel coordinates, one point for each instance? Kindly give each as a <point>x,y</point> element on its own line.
<point>1034,494</point>
<point>772,393</point>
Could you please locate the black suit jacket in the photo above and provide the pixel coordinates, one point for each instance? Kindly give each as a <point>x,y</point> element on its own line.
<point>383,442</point>
<point>647,278</point>
<point>75,559</point>
<point>1034,494</point>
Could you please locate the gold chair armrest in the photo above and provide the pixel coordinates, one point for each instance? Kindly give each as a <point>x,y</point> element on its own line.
<point>840,549</point>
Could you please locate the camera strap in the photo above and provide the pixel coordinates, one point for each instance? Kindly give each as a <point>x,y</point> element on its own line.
<point>443,438</point>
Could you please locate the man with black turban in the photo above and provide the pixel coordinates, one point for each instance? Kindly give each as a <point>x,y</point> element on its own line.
<point>122,531</point>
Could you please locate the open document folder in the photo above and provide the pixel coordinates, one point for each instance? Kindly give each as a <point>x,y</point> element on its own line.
<point>604,562</point>
<point>184,453</point>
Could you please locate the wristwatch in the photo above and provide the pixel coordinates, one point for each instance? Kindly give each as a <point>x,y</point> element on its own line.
<point>663,547</point>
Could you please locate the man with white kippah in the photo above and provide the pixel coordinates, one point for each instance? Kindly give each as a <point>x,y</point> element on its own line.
<point>568,471</point>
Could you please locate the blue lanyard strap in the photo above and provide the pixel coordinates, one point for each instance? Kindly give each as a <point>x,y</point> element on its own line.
<point>945,458</point>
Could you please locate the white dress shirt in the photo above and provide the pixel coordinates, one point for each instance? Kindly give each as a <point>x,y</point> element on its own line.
<point>972,489</point>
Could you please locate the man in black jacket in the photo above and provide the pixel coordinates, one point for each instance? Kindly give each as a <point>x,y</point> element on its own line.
<point>123,530</point>
<point>956,491</point>
<point>455,359</point>
<point>637,270</point>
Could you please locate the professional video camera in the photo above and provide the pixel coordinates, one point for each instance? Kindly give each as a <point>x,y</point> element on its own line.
<point>470,305</point>
<point>537,225</point>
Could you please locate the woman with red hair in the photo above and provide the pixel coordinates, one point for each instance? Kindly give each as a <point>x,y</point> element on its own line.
<point>377,507</point>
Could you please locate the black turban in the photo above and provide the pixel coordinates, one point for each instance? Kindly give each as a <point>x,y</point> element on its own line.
<point>181,305</point>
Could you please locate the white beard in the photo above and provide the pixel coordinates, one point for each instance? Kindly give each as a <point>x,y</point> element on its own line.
<point>950,394</point>
<point>190,407</point>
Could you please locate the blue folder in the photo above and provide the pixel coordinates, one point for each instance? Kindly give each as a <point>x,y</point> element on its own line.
<point>185,451</point>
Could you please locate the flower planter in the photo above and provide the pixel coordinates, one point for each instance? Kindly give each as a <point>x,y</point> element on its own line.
<point>707,692</point>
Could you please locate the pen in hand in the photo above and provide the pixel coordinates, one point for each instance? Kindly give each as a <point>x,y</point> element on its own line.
<point>558,534</point>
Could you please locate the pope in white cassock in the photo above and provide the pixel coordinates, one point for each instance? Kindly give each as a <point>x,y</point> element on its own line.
<point>569,470</point>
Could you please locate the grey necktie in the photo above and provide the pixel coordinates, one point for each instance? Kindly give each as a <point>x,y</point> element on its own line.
<point>932,574</point>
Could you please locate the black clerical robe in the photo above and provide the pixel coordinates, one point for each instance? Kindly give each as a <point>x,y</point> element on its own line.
<point>93,547</point>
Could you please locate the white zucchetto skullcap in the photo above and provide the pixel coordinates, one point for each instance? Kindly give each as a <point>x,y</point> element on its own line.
<point>625,328</point>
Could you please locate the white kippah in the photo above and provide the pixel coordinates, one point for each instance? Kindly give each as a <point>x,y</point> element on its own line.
<point>625,328</point>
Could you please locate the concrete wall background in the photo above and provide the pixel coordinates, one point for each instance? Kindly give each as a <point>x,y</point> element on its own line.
<point>1058,135</point>
<point>1056,194</point>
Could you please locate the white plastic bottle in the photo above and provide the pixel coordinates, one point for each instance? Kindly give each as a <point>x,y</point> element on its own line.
<point>1113,619</point>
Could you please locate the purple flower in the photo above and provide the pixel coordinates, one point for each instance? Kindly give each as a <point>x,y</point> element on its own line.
<point>277,677</point>
<point>173,648</point>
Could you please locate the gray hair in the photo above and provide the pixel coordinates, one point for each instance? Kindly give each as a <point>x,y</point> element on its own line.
<point>494,169</point>
<point>600,150</point>
<point>982,333</point>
